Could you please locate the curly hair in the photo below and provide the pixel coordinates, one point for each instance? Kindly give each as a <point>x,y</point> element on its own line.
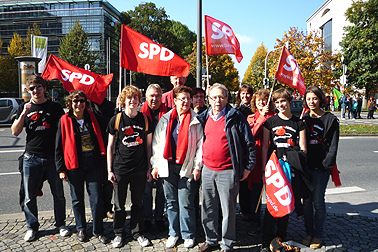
<point>128,92</point>
<point>261,93</point>
<point>75,94</point>
<point>319,93</point>
<point>244,87</point>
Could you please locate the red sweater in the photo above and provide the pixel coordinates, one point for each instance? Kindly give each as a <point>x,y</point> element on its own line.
<point>216,153</point>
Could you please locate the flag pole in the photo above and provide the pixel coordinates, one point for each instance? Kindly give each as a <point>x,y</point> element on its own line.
<point>207,71</point>
<point>120,69</point>
<point>258,203</point>
<point>271,91</point>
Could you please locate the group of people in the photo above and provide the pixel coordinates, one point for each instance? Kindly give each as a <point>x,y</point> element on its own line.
<point>352,105</point>
<point>177,144</point>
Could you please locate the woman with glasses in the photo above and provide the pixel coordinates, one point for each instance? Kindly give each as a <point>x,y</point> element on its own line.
<point>78,150</point>
<point>177,158</point>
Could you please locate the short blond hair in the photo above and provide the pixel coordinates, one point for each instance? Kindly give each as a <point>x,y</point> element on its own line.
<point>128,92</point>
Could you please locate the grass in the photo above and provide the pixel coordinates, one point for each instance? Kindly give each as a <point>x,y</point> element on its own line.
<point>359,129</point>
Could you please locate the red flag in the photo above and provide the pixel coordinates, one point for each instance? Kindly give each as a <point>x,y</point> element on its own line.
<point>141,54</point>
<point>220,39</point>
<point>279,194</point>
<point>288,72</point>
<point>74,78</point>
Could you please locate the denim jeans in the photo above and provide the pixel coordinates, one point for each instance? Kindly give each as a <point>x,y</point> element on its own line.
<point>179,194</point>
<point>159,200</point>
<point>314,224</point>
<point>350,113</point>
<point>137,181</point>
<point>92,176</point>
<point>343,110</point>
<point>33,170</point>
<point>219,188</point>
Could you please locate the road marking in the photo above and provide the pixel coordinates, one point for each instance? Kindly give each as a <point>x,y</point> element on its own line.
<point>9,173</point>
<point>10,151</point>
<point>341,190</point>
<point>376,151</point>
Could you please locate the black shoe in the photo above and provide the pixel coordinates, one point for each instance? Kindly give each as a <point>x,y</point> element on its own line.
<point>81,236</point>
<point>161,225</point>
<point>147,226</point>
<point>103,239</point>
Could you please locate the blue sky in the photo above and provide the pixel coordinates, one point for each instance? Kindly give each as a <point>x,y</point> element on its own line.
<point>253,21</point>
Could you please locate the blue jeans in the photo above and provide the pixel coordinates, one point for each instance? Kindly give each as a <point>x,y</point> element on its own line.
<point>314,224</point>
<point>219,188</point>
<point>343,110</point>
<point>350,113</point>
<point>159,200</point>
<point>92,175</point>
<point>33,170</point>
<point>180,193</point>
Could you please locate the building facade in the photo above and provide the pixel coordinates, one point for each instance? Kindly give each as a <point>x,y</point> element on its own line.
<point>55,18</point>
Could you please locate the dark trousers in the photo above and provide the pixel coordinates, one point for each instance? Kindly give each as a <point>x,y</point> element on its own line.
<point>244,197</point>
<point>255,196</point>
<point>268,228</point>
<point>370,114</point>
<point>137,182</point>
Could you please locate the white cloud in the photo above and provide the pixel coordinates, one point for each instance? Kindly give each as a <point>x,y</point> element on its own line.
<point>244,39</point>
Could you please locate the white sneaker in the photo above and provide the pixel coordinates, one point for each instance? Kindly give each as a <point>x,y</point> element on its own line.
<point>118,242</point>
<point>64,231</point>
<point>30,235</point>
<point>189,243</point>
<point>171,242</point>
<point>143,241</point>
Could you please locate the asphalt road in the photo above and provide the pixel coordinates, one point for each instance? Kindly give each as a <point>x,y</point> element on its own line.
<point>357,162</point>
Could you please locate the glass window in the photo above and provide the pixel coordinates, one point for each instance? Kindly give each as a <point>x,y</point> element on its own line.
<point>327,35</point>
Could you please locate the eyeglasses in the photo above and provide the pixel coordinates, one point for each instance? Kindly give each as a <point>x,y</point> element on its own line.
<point>78,100</point>
<point>199,97</point>
<point>184,99</point>
<point>214,98</point>
<point>38,87</point>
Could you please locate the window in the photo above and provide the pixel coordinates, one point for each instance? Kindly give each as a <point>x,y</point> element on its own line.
<point>327,35</point>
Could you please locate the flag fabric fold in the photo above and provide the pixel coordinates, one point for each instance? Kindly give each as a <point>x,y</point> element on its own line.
<point>279,193</point>
<point>220,39</point>
<point>288,72</point>
<point>141,54</point>
<point>73,78</point>
<point>336,95</point>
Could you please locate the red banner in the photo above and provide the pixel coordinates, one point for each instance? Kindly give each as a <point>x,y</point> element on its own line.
<point>288,72</point>
<point>279,194</point>
<point>220,39</point>
<point>141,54</point>
<point>74,78</point>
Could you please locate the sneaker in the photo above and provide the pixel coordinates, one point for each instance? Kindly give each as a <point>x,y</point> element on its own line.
<point>143,241</point>
<point>189,243</point>
<point>171,242</point>
<point>117,242</point>
<point>30,235</point>
<point>64,231</point>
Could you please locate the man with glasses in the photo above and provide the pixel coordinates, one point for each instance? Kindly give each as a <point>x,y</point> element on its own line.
<point>228,156</point>
<point>40,118</point>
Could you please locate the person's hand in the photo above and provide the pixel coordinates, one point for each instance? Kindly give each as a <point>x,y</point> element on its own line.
<point>265,110</point>
<point>155,173</point>
<point>27,107</point>
<point>63,176</point>
<point>112,178</point>
<point>196,174</point>
<point>149,176</point>
<point>245,175</point>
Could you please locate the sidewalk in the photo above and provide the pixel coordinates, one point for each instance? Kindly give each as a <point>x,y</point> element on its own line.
<point>341,233</point>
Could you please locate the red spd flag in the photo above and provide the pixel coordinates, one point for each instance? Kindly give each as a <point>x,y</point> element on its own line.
<point>288,72</point>
<point>220,39</point>
<point>75,78</point>
<point>141,54</point>
<point>279,194</point>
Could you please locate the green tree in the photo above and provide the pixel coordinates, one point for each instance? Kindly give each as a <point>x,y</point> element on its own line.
<point>221,68</point>
<point>35,31</point>
<point>254,75</point>
<point>360,47</point>
<point>185,36</point>
<point>75,48</point>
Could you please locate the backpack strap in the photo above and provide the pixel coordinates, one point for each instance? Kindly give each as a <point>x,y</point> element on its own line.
<point>145,122</point>
<point>118,118</point>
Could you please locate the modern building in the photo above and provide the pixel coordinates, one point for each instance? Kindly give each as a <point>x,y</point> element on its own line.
<point>55,18</point>
<point>330,20</point>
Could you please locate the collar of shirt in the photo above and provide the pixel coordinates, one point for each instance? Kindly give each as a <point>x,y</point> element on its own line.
<point>219,116</point>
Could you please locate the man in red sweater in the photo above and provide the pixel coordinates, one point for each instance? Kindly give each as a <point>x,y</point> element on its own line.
<point>167,98</point>
<point>228,157</point>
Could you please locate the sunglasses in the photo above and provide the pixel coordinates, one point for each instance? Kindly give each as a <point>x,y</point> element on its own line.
<point>79,100</point>
<point>38,87</point>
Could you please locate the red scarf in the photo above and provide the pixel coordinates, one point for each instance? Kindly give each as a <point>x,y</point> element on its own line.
<point>68,140</point>
<point>146,110</point>
<point>182,140</point>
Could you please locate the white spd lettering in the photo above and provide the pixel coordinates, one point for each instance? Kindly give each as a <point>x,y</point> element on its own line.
<point>151,50</point>
<point>220,32</point>
<point>84,78</point>
<point>283,195</point>
<point>291,64</point>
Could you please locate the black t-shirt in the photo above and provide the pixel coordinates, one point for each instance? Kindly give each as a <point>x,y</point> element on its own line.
<point>283,133</point>
<point>41,124</point>
<point>155,118</point>
<point>315,134</point>
<point>130,153</point>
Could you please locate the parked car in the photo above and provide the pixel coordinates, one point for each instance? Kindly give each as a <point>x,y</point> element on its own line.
<point>8,108</point>
<point>296,108</point>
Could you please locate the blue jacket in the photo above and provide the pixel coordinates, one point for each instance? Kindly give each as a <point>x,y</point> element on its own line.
<point>240,140</point>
